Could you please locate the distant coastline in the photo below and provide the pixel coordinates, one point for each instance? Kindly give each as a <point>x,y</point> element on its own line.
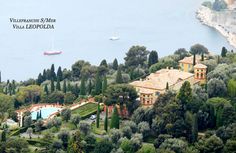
<point>206,15</point>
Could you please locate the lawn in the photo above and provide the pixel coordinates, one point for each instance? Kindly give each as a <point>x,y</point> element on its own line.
<point>100,130</point>
<point>86,110</point>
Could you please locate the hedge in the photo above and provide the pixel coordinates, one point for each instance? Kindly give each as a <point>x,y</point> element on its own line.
<point>34,142</point>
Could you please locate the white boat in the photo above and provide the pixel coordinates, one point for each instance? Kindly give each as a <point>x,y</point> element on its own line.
<point>113,38</point>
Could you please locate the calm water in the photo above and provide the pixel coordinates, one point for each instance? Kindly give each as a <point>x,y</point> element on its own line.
<point>46,112</point>
<point>83,29</point>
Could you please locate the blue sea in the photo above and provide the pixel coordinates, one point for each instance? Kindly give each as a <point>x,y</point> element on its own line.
<point>83,28</point>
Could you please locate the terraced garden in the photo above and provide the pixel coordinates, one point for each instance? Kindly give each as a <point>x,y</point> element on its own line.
<point>86,110</point>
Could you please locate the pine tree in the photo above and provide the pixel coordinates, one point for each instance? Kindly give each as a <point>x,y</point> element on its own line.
<point>153,58</point>
<point>59,74</point>
<point>115,119</point>
<point>98,84</point>
<point>115,64</point>
<point>82,87</point>
<point>46,89</point>
<point>119,76</point>
<point>223,52</point>
<point>194,59</point>
<point>104,84</point>
<point>98,116</point>
<point>52,85</point>
<point>58,85</point>
<point>64,86</point>
<point>106,120</point>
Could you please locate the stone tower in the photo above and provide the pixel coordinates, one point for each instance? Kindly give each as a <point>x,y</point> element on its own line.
<point>200,71</point>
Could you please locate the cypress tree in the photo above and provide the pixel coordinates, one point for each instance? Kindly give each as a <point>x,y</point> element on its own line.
<point>195,128</point>
<point>82,87</point>
<point>219,121</point>
<point>69,87</point>
<point>106,120</point>
<point>44,75</point>
<point>10,89</point>
<point>104,84</point>
<point>76,90</point>
<point>52,72</point>
<point>194,59</point>
<point>4,136</point>
<point>0,77</point>
<point>40,79</point>
<point>119,76</point>
<point>167,86</point>
<point>52,85</point>
<point>40,114</point>
<point>46,89</point>
<point>98,84</point>
<point>202,58</point>
<point>115,64</point>
<point>223,52</point>
<point>115,119</point>
<point>104,63</point>
<point>89,90</point>
<point>59,74</point>
<point>58,85</point>
<point>64,86</point>
<point>218,59</point>
<point>185,95</point>
<point>13,87</point>
<point>98,116</point>
<point>37,116</point>
<point>153,58</point>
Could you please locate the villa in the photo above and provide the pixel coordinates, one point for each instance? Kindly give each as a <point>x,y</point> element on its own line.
<point>186,64</point>
<point>168,79</point>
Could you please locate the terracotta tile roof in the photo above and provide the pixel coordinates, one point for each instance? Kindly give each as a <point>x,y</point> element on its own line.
<point>201,66</point>
<point>189,60</point>
<point>159,79</point>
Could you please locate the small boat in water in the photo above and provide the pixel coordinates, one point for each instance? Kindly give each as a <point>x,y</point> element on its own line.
<point>113,38</point>
<point>52,52</point>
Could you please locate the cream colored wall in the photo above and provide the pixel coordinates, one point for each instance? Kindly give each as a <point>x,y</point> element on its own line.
<point>178,85</point>
<point>185,67</point>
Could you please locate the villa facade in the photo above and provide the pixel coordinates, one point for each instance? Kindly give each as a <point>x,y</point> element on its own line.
<point>157,83</point>
<point>186,64</point>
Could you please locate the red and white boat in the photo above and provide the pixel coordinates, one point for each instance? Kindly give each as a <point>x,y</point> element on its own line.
<point>52,53</point>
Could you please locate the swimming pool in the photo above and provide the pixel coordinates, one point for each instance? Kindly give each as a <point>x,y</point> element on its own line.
<point>46,112</point>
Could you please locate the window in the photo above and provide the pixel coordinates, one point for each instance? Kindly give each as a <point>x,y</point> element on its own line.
<point>201,75</point>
